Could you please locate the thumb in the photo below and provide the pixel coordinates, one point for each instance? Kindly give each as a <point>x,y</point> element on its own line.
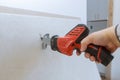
<point>85,42</point>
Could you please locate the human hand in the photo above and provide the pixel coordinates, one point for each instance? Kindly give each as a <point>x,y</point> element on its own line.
<point>106,38</point>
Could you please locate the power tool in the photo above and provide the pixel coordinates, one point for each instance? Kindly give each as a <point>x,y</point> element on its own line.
<point>71,41</point>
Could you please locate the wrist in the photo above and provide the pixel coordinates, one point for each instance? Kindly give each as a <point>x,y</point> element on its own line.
<point>113,36</point>
<point>117,32</point>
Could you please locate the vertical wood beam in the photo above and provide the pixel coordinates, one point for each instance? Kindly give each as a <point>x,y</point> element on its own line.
<point>110,13</point>
<point>109,24</point>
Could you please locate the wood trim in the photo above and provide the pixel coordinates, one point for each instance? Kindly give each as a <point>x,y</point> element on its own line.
<point>110,13</point>
<point>110,23</point>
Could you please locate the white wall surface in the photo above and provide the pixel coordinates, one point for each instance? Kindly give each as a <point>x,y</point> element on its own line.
<point>21,56</point>
<point>66,7</point>
<point>115,63</point>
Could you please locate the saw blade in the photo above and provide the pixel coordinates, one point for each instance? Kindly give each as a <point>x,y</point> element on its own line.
<point>45,41</point>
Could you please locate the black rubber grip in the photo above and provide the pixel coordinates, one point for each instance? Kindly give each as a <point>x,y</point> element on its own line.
<point>100,53</point>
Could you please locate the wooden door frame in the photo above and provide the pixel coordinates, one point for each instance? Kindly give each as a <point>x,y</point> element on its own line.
<point>109,24</point>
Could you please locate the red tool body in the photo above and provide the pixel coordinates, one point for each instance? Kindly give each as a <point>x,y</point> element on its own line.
<point>71,41</point>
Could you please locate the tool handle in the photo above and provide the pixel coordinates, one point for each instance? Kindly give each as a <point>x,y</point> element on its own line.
<point>100,53</point>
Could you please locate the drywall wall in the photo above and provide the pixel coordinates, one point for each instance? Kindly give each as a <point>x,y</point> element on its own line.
<point>65,7</point>
<point>21,56</point>
<point>115,64</point>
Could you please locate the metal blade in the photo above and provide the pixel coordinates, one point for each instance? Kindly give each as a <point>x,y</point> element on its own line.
<point>45,41</point>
